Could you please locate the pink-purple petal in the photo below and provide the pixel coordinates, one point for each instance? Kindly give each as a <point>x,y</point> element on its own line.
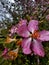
<point>44,35</point>
<point>38,48</point>
<point>5,52</point>
<point>26,46</point>
<point>22,22</point>
<point>13,30</point>
<point>23,31</point>
<point>33,25</point>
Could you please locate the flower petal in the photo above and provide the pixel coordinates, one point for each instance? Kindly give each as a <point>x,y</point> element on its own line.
<point>22,22</point>
<point>13,54</point>
<point>5,52</point>
<point>9,40</point>
<point>13,29</point>
<point>38,48</point>
<point>33,25</point>
<point>44,35</point>
<point>23,31</point>
<point>26,46</point>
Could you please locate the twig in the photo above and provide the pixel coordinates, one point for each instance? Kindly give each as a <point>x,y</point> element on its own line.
<point>38,61</point>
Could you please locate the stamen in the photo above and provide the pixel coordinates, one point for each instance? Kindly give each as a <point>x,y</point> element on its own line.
<point>35,34</point>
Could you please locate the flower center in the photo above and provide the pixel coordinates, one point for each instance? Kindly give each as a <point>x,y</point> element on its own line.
<point>12,55</point>
<point>35,34</point>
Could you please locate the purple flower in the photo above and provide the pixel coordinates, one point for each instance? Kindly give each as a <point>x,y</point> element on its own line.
<point>12,54</point>
<point>5,52</point>
<point>32,38</point>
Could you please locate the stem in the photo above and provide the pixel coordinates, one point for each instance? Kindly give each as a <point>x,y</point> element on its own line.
<point>45,10</point>
<point>38,61</point>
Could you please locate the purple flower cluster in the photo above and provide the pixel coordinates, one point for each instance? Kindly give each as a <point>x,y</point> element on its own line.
<point>31,37</point>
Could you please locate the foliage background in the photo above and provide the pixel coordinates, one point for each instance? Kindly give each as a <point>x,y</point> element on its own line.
<point>10,13</point>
